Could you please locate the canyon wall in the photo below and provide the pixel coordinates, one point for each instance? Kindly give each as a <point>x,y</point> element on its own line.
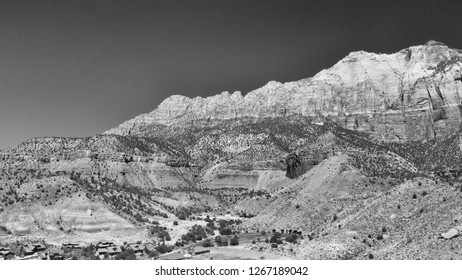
<point>413,94</point>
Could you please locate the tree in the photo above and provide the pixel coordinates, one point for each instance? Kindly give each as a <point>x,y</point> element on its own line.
<point>162,248</point>
<point>138,217</point>
<point>292,238</point>
<point>221,241</point>
<point>153,254</point>
<point>273,239</point>
<point>222,223</point>
<point>234,241</point>
<point>225,231</point>
<point>128,254</point>
<point>207,243</point>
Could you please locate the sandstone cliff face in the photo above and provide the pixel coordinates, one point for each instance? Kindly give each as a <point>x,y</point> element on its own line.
<point>413,94</point>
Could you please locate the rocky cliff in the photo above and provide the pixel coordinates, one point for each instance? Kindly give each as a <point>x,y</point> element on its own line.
<point>413,94</point>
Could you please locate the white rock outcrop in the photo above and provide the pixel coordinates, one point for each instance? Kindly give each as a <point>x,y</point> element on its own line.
<point>414,94</point>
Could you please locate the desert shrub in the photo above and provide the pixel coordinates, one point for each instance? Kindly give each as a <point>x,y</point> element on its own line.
<point>292,238</point>
<point>273,239</point>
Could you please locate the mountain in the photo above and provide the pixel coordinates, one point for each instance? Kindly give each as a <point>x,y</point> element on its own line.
<point>410,95</point>
<point>363,159</point>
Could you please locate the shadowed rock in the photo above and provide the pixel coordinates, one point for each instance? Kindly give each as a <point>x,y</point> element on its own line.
<point>293,164</point>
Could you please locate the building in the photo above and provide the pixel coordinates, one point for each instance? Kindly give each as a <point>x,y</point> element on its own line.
<point>28,249</point>
<point>138,248</point>
<point>104,244</point>
<point>56,254</point>
<point>71,245</point>
<point>150,246</point>
<point>6,254</point>
<point>201,250</point>
<point>102,251</point>
<point>38,247</point>
<point>114,250</point>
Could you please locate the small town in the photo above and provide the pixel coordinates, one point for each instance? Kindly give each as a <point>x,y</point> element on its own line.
<point>263,244</point>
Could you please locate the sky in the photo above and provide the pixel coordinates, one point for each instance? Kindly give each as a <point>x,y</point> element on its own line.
<point>78,68</point>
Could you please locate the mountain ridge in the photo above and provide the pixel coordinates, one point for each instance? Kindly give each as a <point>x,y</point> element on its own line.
<point>387,95</point>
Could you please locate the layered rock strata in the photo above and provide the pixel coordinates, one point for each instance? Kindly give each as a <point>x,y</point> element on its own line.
<point>414,94</point>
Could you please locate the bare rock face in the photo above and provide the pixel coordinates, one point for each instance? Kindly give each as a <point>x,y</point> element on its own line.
<point>413,94</point>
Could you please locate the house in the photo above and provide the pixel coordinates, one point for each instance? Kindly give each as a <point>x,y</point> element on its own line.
<point>38,247</point>
<point>28,249</point>
<point>6,254</point>
<point>70,245</point>
<point>101,251</point>
<point>200,250</point>
<point>150,247</point>
<point>56,254</point>
<point>114,250</point>
<point>3,248</point>
<point>138,248</point>
<point>173,256</point>
<point>104,244</point>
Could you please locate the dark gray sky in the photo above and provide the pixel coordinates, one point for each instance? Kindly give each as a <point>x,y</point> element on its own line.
<point>78,68</point>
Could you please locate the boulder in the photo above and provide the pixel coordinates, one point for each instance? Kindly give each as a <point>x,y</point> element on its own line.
<point>450,234</point>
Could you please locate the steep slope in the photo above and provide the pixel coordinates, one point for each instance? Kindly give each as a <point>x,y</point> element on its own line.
<point>413,94</point>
